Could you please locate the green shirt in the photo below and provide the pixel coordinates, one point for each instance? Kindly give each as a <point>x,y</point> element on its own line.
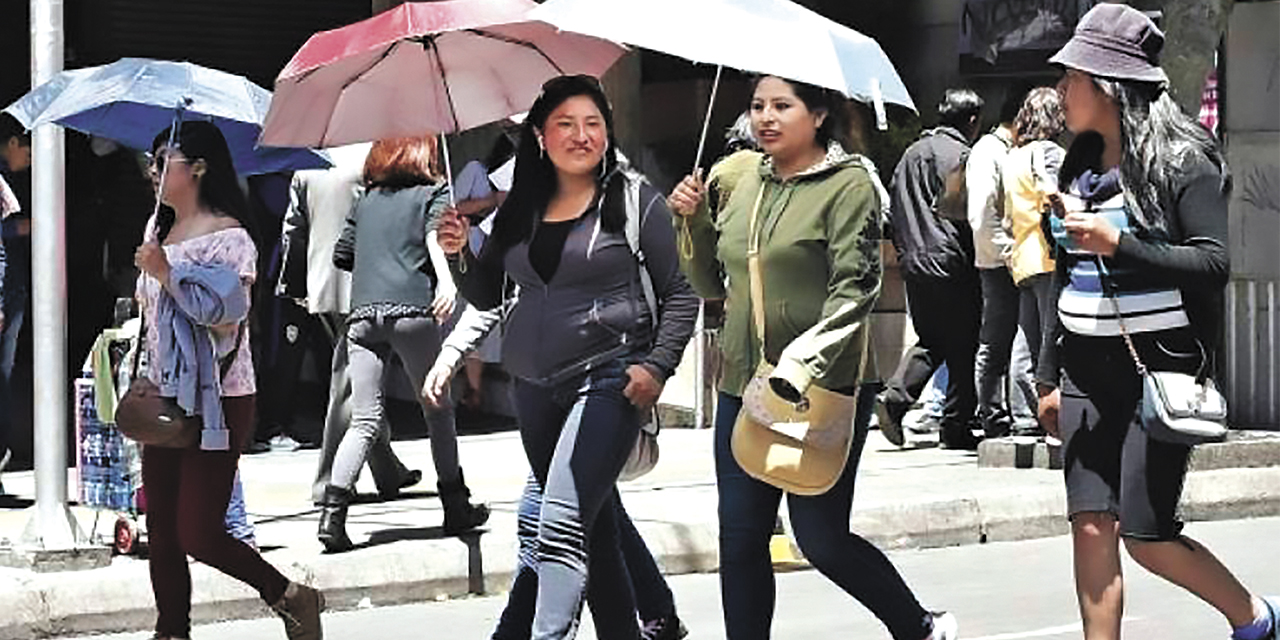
<point>820,253</point>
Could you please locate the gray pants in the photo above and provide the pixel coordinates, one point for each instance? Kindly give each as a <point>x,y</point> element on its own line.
<point>386,468</point>
<point>372,341</point>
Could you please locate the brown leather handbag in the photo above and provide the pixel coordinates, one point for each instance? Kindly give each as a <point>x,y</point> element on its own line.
<point>148,418</point>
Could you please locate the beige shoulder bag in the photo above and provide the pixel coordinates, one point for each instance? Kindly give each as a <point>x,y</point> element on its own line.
<point>798,447</point>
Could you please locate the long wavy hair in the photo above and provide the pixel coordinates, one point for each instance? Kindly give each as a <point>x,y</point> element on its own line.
<point>219,189</point>
<point>1040,117</point>
<point>535,180</point>
<point>1156,135</point>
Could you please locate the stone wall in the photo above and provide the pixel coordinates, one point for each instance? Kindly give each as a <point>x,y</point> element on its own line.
<point>1251,106</point>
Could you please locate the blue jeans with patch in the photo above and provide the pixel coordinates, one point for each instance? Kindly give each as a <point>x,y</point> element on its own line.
<point>577,436</point>
<point>748,510</point>
<point>654,600</point>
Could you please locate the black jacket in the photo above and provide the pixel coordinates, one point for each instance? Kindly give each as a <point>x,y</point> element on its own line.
<point>929,244</point>
<point>1189,255</point>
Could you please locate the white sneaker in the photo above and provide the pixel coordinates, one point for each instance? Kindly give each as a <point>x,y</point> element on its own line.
<point>945,627</point>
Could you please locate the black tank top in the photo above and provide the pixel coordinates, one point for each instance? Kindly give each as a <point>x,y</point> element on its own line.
<point>547,246</point>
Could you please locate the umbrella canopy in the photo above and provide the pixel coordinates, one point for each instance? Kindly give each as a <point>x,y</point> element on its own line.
<point>776,37</point>
<point>133,99</point>
<point>424,67</point>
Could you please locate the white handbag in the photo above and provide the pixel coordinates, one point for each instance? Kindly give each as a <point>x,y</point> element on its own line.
<point>1177,407</point>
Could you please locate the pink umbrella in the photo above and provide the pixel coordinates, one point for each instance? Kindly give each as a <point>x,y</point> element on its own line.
<point>424,67</point>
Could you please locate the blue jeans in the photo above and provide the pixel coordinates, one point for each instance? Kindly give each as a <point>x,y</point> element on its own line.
<point>15,311</point>
<point>653,596</point>
<point>577,436</point>
<point>237,519</point>
<point>748,510</point>
<point>935,395</point>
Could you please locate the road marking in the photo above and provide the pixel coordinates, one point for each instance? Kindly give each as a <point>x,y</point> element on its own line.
<point>1041,633</point>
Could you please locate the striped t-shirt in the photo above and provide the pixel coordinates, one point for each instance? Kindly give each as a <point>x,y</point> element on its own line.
<point>1084,306</point>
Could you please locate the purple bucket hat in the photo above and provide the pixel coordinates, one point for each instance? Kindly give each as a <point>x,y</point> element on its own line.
<point>1115,41</point>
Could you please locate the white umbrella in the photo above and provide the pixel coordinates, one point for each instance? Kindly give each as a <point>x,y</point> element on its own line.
<point>776,37</point>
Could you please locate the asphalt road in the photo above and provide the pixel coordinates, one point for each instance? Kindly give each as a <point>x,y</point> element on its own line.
<point>1003,591</point>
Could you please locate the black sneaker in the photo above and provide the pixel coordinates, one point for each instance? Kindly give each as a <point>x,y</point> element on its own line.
<point>664,629</point>
<point>257,446</point>
<point>890,414</point>
<point>959,439</point>
<point>997,425</point>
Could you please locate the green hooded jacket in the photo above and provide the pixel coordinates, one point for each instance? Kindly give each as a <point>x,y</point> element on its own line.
<point>820,255</point>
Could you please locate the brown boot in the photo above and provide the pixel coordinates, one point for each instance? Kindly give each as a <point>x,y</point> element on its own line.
<point>300,609</point>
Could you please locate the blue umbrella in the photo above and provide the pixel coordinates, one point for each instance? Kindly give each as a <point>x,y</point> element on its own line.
<point>133,99</point>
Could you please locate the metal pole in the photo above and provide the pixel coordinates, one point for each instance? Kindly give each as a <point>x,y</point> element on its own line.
<point>51,526</point>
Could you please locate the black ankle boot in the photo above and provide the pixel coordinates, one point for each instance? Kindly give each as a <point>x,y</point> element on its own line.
<point>459,514</point>
<point>333,520</point>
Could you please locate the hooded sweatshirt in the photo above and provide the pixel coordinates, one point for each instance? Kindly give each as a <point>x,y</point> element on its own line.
<point>820,253</point>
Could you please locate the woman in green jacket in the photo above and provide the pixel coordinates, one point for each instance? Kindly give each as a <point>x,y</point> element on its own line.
<point>818,210</point>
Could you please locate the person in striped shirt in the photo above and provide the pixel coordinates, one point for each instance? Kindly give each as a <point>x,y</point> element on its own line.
<point>1141,248</point>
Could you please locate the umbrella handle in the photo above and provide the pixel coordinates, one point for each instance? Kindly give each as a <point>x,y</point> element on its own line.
<point>173,136</point>
<point>448,168</point>
<point>684,238</point>
<point>706,121</point>
<point>448,175</point>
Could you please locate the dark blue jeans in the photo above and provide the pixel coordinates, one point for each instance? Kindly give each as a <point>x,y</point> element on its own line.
<point>748,509</point>
<point>15,311</point>
<point>577,436</point>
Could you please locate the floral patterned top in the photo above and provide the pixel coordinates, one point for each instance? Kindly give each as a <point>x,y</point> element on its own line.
<point>229,246</point>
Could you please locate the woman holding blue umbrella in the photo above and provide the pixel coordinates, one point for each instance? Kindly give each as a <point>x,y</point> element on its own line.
<point>203,227</point>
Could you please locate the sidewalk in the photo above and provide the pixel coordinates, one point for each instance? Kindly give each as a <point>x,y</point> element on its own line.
<point>914,498</point>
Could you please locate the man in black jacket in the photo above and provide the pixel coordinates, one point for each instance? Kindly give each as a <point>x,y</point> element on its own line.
<point>15,264</point>
<point>935,249</point>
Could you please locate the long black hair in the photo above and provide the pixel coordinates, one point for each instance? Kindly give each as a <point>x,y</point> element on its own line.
<point>535,180</point>
<point>1156,137</point>
<point>219,189</point>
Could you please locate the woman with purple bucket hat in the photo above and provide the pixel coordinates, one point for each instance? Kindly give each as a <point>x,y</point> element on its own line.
<point>1154,268</point>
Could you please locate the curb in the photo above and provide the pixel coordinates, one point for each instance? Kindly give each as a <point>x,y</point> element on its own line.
<point>118,598</point>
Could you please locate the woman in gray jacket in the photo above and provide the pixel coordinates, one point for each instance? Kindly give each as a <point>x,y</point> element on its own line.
<point>588,356</point>
<point>400,288</point>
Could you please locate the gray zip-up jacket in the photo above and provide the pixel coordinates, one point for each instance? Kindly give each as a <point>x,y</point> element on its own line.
<point>593,309</point>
